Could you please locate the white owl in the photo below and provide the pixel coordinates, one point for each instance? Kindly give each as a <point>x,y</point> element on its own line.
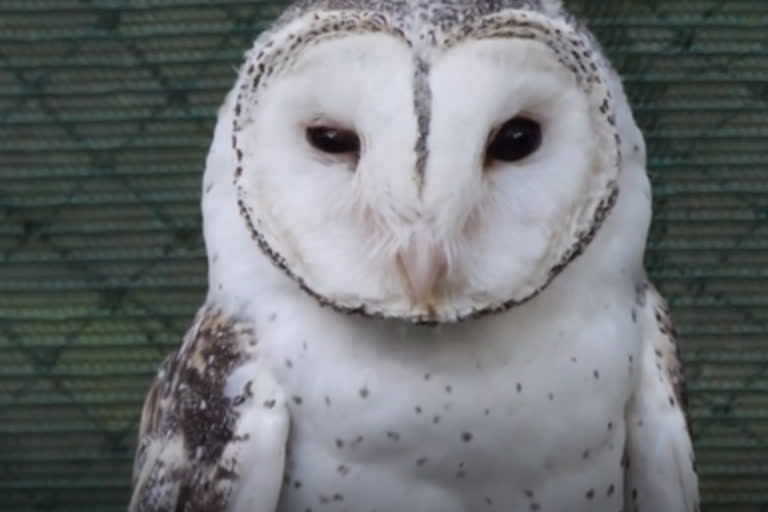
<point>425,222</point>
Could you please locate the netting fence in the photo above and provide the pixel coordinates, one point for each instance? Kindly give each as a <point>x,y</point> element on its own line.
<point>106,111</point>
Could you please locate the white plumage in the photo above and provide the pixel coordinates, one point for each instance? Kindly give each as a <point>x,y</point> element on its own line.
<point>425,224</point>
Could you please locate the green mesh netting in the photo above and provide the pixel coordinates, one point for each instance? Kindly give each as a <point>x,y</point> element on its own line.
<point>106,111</point>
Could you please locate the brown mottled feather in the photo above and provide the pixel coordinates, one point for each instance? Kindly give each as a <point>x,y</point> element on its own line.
<point>188,420</point>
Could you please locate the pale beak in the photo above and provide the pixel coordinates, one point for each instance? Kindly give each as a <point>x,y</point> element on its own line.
<point>424,265</point>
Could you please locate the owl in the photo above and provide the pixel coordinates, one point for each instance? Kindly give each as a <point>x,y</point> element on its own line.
<point>425,223</point>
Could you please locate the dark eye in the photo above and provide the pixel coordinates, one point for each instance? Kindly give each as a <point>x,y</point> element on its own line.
<point>333,140</point>
<point>515,140</point>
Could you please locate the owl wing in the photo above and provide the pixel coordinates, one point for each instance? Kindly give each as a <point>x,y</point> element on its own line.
<point>660,473</point>
<point>213,428</point>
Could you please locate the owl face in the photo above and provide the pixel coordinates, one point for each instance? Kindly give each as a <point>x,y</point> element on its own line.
<point>425,177</point>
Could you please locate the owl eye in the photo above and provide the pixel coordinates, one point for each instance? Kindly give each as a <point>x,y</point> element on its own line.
<point>515,140</point>
<point>333,140</point>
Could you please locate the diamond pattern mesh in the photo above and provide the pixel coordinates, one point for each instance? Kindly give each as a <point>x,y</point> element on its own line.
<point>106,111</point>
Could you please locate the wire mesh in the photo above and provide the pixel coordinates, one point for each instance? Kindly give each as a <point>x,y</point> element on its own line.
<point>106,111</point>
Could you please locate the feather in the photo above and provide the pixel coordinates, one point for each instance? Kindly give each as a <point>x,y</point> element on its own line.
<point>660,471</point>
<point>198,432</point>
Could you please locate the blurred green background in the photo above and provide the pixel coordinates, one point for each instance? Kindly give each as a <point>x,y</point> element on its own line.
<point>106,111</point>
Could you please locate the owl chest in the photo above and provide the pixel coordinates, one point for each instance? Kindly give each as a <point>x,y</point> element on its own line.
<point>452,418</point>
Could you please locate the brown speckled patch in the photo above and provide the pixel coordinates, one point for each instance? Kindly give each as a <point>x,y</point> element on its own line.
<point>188,421</point>
<point>436,13</point>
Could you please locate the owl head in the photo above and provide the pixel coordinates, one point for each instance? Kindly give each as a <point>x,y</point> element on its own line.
<point>430,161</point>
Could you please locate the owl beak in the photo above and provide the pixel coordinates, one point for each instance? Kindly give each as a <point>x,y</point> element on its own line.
<point>423,265</point>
